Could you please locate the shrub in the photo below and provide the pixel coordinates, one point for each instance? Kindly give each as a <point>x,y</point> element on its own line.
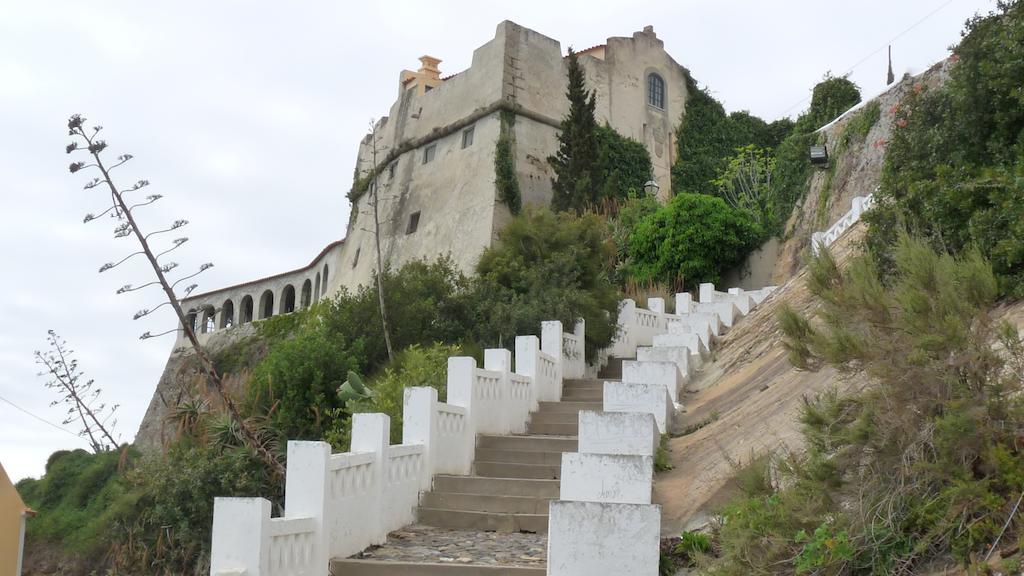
<point>830,98</point>
<point>547,266</point>
<point>745,183</point>
<point>954,168</point>
<point>414,366</point>
<point>695,237</point>
<point>920,467</point>
<point>505,179</point>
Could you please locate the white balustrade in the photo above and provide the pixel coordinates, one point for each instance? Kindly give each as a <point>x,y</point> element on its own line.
<point>339,504</point>
<point>860,205</point>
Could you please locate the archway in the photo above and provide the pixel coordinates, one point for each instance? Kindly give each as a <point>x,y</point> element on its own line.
<point>246,313</point>
<point>227,314</point>
<point>288,299</point>
<point>316,288</point>
<point>266,304</point>
<point>307,292</point>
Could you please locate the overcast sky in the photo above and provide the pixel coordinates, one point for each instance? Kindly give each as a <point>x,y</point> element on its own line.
<point>246,117</point>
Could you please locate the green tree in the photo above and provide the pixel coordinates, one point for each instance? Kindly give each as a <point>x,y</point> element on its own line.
<point>830,98</point>
<point>954,168</point>
<point>705,139</point>
<point>695,237</point>
<point>745,184</point>
<point>547,266</point>
<point>577,174</point>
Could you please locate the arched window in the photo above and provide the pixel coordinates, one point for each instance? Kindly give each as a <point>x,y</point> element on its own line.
<point>316,288</point>
<point>209,323</point>
<point>266,304</point>
<point>656,91</point>
<point>193,321</point>
<point>307,291</point>
<point>245,315</point>
<point>323,287</point>
<point>288,299</point>
<point>227,314</point>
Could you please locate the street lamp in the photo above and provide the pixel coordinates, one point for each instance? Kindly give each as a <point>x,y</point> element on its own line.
<point>651,188</point>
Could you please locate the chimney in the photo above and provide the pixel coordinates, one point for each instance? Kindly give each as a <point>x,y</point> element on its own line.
<point>428,67</point>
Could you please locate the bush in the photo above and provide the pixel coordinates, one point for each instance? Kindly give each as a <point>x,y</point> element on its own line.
<point>414,366</point>
<point>954,169</point>
<point>547,267</point>
<point>168,529</point>
<point>830,98</point>
<point>695,237</point>
<point>918,469</point>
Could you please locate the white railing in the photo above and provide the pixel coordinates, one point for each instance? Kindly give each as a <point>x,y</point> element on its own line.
<point>338,504</point>
<point>861,204</point>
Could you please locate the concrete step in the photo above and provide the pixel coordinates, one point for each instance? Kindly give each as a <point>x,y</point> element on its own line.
<point>574,407</point>
<point>582,385</point>
<point>517,470</point>
<point>553,429</point>
<point>527,443</point>
<point>518,456</point>
<point>554,417</point>
<point>485,503</point>
<point>583,396</point>
<point>496,486</point>
<point>486,521</point>
<point>354,567</point>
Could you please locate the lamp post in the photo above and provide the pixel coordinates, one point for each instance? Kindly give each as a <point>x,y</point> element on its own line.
<point>651,188</point>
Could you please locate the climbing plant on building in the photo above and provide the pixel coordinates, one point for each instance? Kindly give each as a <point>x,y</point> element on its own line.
<point>505,179</point>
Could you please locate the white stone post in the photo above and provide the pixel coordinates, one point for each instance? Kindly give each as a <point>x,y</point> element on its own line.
<point>551,344</point>
<point>707,292</point>
<point>656,305</point>
<point>461,375</point>
<point>419,426</point>
<point>372,433</point>
<point>580,332</point>
<point>500,360</point>
<point>527,348</point>
<point>624,340</point>
<point>240,543</point>
<point>684,303</point>
<point>306,491</point>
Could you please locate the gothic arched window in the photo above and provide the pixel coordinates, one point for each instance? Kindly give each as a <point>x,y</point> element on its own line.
<point>656,91</point>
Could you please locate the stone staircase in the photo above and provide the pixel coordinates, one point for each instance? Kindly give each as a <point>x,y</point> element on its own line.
<point>513,482</point>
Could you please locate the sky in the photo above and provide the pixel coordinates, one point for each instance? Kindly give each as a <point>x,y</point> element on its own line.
<point>246,117</point>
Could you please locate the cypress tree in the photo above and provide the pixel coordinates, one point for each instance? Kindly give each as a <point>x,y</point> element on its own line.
<point>577,174</point>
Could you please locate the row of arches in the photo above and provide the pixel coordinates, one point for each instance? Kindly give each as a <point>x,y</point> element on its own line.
<point>207,318</point>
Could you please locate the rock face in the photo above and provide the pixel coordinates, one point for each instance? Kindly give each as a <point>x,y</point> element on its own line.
<point>182,380</point>
<point>855,168</point>
<point>744,403</point>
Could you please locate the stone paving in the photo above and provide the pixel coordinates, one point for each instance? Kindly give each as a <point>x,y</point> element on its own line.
<point>428,544</point>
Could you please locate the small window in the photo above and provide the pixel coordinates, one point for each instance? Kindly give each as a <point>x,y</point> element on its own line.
<point>355,260</point>
<point>428,88</point>
<point>391,170</point>
<point>655,91</point>
<point>428,153</point>
<point>414,223</point>
<point>467,137</point>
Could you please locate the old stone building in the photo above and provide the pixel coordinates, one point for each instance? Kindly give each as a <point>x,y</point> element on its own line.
<point>435,159</point>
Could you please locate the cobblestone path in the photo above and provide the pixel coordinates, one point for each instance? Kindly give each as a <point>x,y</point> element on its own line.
<point>418,543</point>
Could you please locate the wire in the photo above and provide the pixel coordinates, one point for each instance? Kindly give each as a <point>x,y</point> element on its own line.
<point>877,50</point>
<point>43,420</point>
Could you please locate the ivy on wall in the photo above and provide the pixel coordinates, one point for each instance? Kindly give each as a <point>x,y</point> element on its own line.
<point>505,180</point>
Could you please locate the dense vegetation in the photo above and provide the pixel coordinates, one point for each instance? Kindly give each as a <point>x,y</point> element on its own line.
<point>593,163</point>
<point>954,169</point>
<point>693,239</point>
<point>153,514</point>
<point>920,466</point>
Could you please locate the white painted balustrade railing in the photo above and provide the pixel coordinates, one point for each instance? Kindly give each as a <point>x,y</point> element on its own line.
<point>338,504</point>
<point>860,205</point>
